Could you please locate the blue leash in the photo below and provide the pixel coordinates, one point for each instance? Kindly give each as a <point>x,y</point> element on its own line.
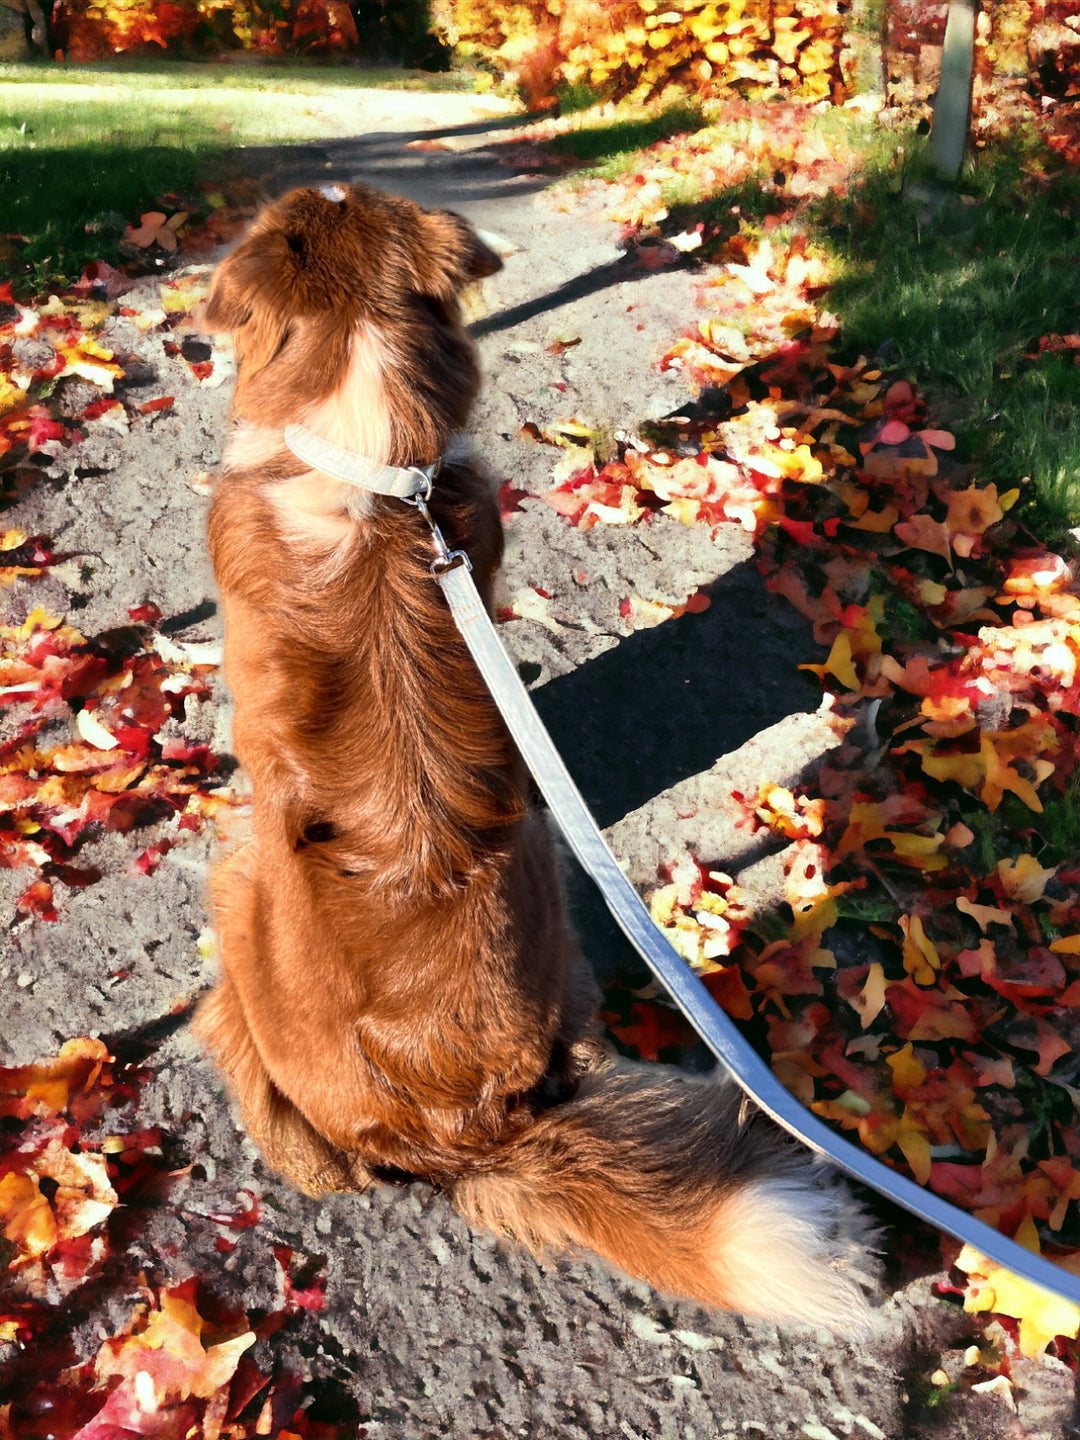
<point>452,571</point>
<point>719,1032</point>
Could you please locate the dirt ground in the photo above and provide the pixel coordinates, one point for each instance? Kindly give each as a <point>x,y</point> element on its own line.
<point>431,1329</point>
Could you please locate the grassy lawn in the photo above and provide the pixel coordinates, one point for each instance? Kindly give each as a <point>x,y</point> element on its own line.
<point>966,293</point>
<point>295,77</point>
<point>85,150</point>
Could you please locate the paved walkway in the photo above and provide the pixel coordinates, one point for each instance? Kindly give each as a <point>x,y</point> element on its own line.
<point>431,1329</point>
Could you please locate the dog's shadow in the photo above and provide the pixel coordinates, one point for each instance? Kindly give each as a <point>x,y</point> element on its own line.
<point>665,704</point>
<point>390,160</point>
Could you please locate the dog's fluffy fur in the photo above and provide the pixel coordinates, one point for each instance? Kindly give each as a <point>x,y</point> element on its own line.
<point>400,990</point>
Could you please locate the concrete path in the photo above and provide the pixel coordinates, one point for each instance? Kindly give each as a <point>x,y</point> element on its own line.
<point>431,1329</point>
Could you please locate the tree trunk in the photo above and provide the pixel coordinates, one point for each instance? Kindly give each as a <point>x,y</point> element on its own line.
<point>38,26</point>
<point>952,106</point>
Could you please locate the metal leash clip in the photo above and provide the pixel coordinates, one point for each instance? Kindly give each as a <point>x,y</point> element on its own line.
<point>445,558</point>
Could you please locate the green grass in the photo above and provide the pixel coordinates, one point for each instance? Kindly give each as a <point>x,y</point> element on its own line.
<point>85,150</point>
<point>66,206</point>
<point>956,290</point>
<point>247,72</point>
<point>1053,836</point>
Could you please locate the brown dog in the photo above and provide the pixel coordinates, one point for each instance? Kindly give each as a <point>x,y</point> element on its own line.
<point>400,990</point>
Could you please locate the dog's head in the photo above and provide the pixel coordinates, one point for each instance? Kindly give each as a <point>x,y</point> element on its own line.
<point>318,269</point>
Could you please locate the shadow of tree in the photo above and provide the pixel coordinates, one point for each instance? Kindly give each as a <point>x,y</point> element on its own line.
<point>666,703</point>
<point>595,142</point>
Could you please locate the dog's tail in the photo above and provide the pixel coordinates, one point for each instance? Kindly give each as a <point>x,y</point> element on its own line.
<point>668,1180</point>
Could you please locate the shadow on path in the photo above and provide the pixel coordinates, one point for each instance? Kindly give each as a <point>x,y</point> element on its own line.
<point>616,272</point>
<point>425,173</point>
<point>666,703</point>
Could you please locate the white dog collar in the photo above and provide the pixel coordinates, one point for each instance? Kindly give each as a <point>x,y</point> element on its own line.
<point>402,482</point>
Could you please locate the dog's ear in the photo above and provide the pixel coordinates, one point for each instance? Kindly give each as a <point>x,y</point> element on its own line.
<point>230,303</point>
<point>246,299</point>
<point>454,255</point>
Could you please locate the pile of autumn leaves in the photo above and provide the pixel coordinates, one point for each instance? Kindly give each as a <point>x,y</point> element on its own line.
<point>70,1174</point>
<point>94,736</point>
<point>924,994</point>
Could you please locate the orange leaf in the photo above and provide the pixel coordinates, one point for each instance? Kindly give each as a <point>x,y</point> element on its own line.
<point>29,1221</point>
<point>923,533</point>
<point>145,234</point>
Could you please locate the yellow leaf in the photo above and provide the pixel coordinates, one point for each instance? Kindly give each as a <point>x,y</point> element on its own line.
<point>908,1072</point>
<point>11,395</point>
<point>1023,879</point>
<point>915,1148</point>
<point>985,773</point>
<point>813,917</point>
<point>930,592</point>
<point>870,1000</point>
<point>921,959</point>
<point>183,294</point>
<point>1042,1315</point>
<point>816,59</point>
<point>787,38</point>
<point>922,850</point>
<point>839,663</point>
<point>801,464</point>
<point>685,511</point>
<point>877,522</point>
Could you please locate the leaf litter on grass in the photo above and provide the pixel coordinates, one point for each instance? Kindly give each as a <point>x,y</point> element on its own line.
<point>924,992</point>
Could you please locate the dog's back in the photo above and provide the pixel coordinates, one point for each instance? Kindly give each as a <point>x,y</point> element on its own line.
<point>400,991</point>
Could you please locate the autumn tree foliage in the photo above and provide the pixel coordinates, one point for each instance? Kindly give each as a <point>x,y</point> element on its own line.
<point>84,30</point>
<point>1020,46</point>
<point>637,48</point>
<point>803,50</point>
<point>95,29</point>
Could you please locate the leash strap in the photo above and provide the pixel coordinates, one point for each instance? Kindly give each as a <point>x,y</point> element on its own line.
<point>452,571</point>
